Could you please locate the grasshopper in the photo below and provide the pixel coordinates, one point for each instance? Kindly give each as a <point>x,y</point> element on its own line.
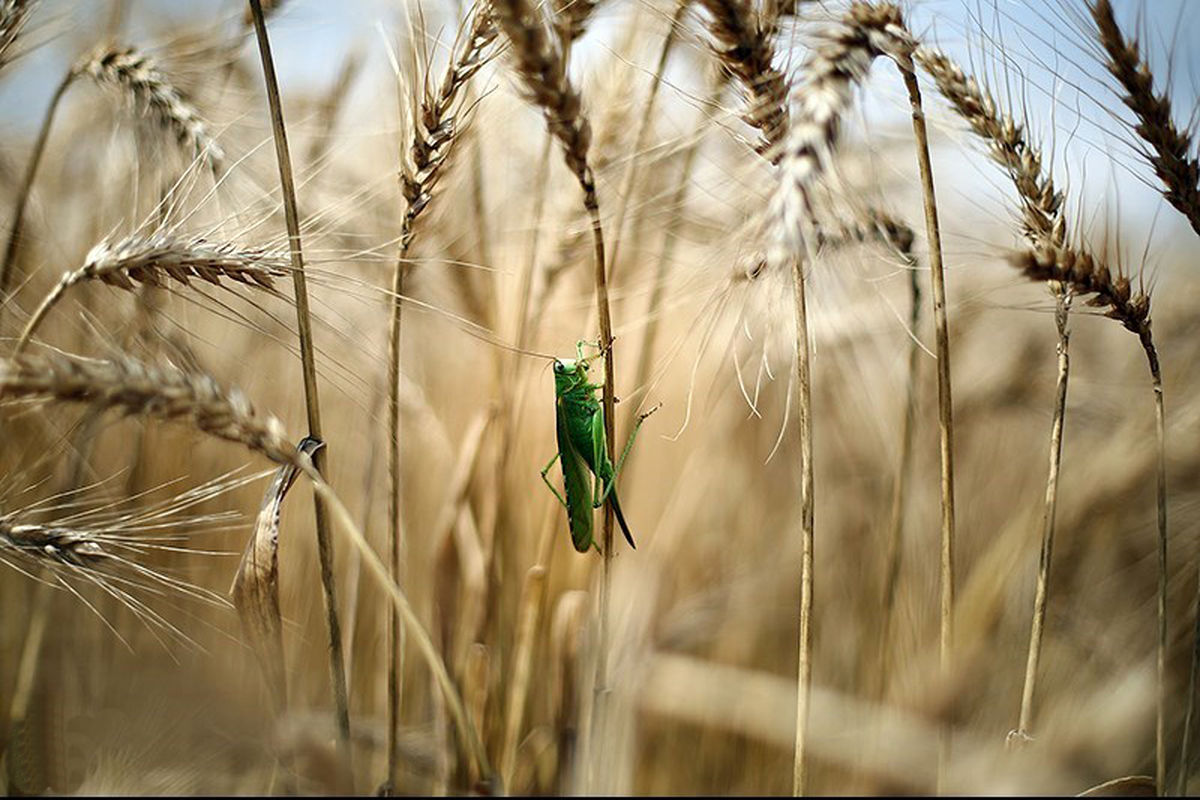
<point>579,418</point>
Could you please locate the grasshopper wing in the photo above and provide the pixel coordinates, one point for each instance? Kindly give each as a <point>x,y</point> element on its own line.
<point>577,479</point>
<point>605,474</point>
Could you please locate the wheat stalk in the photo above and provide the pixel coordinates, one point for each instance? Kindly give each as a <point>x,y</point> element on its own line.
<point>16,229</point>
<point>436,129</point>
<point>542,67</point>
<point>1043,224</point>
<point>1169,150</point>
<point>337,662</point>
<point>838,63</point>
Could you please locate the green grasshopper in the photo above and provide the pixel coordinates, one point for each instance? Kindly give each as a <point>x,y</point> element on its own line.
<point>582,451</point>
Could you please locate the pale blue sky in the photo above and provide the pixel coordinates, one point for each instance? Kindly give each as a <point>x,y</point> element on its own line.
<point>1045,41</point>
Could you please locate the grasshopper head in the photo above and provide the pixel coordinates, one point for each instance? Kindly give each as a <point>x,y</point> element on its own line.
<point>569,372</point>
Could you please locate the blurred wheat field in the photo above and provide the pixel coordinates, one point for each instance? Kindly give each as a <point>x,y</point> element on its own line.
<point>471,191</point>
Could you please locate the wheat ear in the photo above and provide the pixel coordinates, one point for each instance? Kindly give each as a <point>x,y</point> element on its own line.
<point>1168,149</point>
<point>159,259</point>
<point>746,51</point>
<point>436,129</point>
<point>133,388</point>
<point>136,75</point>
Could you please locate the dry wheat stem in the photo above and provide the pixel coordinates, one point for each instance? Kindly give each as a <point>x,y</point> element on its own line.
<point>1170,150</point>
<point>1185,749</point>
<point>312,403</point>
<point>161,258</point>
<point>832,69</point>
<point>900,237</point>
<point>665,257</point>
<point>436,129</point>
<point>1061,314</point>
<point>1043,223</point>
<point>531,602</point>
<point>1086,275</point>
<point>375,565</point>
<point>902,53</point>
<point>138,77</point>
<point>16,228</point>
<point>542,67</point>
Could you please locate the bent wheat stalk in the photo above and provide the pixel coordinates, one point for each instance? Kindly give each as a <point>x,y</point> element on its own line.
<point>337,662</point>
<point>198,401</point>
<point>16,229</point>
<point>1042,223</point>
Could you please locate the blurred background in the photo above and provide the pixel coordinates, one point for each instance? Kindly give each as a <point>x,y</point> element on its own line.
<point>143,683</point>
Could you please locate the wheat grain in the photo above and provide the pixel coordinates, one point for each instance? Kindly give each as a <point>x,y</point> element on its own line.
<point>1169,150</point>
<point>161,392</point>
<point>136,75</point>
<point>1041,202</point>
<point>746,51</point>
<point>158,259</point>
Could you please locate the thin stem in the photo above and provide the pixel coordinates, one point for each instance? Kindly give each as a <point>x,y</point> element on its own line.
<point>945,404</point>
<point>526,636</point>
<point>606,340</point>
<point>1185,750</point>
<point>895,535</point>
<point>15,233</point>
<point>666,254</point>
<point>804,667</point>
<point>39,314</point>
<point>1160,733</point>
<point>1061,314</point>
<point>307,357</point>
<point>395,531</point>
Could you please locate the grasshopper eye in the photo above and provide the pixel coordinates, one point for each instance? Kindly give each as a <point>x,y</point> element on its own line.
<point>558,367</point>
